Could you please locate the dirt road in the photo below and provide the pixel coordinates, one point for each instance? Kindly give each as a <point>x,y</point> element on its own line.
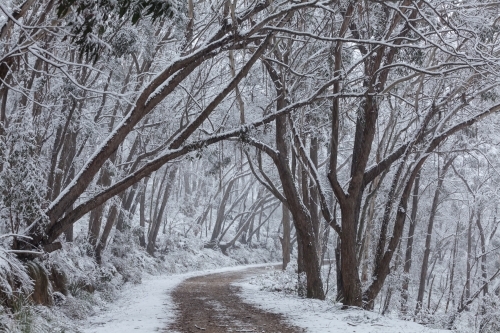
<point>209,304</point>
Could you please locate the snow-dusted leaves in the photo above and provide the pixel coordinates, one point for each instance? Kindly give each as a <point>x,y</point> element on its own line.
<point>22,186</point>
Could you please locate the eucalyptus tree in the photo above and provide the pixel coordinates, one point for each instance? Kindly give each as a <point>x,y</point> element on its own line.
<point>107,106</point>
<point>401,86</point>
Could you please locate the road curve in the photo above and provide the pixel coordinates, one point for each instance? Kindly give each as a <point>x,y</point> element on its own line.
<point>210,304</point>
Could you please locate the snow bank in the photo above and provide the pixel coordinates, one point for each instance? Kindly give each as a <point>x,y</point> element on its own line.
<point>324,317</point>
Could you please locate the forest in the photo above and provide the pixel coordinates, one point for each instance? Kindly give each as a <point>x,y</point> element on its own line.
<point>354,141</point>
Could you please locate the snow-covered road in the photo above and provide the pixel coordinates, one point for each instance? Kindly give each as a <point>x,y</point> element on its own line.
<point>148,307</point>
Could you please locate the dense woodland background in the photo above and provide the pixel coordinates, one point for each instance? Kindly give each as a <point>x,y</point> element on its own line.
<point>361,131</point>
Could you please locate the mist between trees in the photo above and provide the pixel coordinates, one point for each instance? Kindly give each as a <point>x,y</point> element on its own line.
<point>368,128</point>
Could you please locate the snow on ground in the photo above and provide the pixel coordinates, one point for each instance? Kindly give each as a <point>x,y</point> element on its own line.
<point>146,307</point>
<point>322,317</point>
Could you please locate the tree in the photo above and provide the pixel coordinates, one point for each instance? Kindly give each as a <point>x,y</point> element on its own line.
<point>148,97</point>
<point>377,75</point>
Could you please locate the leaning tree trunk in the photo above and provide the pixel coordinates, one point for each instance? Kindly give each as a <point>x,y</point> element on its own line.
<point>112,215</point>
<point>96,215</point>
<point>382,266</point>
<point>221,215</point>
<point>155,228</point>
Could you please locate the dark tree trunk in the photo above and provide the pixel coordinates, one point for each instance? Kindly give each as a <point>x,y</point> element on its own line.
<point>128,207</point>
<point>68,234</point>
<point>112,215</point>
<point>338,269</point>
<point>301,216</point>
<point>96,215</point>
<point>314,196</point>
<point>142,217</point>
<point>382,267</point>
<point>484,271</point>
<point>285,240</point>
<point>305,232</point>
<point>301,269</point>
<point>221,211</point>
<point>409,247</point>
<point>428,239</point>
<point>348,260</point>
<point>155,228</point>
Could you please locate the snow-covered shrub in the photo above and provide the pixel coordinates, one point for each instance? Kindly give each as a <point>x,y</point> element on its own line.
<point>21,317</point>
<point>14,279</point>
<point>22,185</point>
<point>278,280</point>
<point>72,261</point>
<point>257,252</point>
<point>27,318</point>
<point>123,256</point>
<point>79,307</point>
<point>488,321</point>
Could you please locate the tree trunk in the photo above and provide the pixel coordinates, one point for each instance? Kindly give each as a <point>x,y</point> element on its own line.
<point>428,239</point>
<point>314,196</point>
<point>484,271</point>
<point>301,216</point>
<point>112,215</point>
<point>350,202</point>
<point>301,269</point>
<point>452,268</point>
<point>142,216</point>
<point>96,215</point>
<point>366,242</point>
<point>338,270</point>
<point>155,228</point>
<point>469,260</point>
<point>221,214</point>
<point>305,232</point>
<point>382,267</point>
<point>285,241</point>
<point>409,247</point>
<point>348,259</point>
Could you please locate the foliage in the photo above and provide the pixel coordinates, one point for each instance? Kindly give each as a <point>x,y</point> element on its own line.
<point>22,185</point>
<point>90,20</point>
<point>14,279</point>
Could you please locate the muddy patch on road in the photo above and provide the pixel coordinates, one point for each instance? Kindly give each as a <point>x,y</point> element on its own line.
<point>210,304</point>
